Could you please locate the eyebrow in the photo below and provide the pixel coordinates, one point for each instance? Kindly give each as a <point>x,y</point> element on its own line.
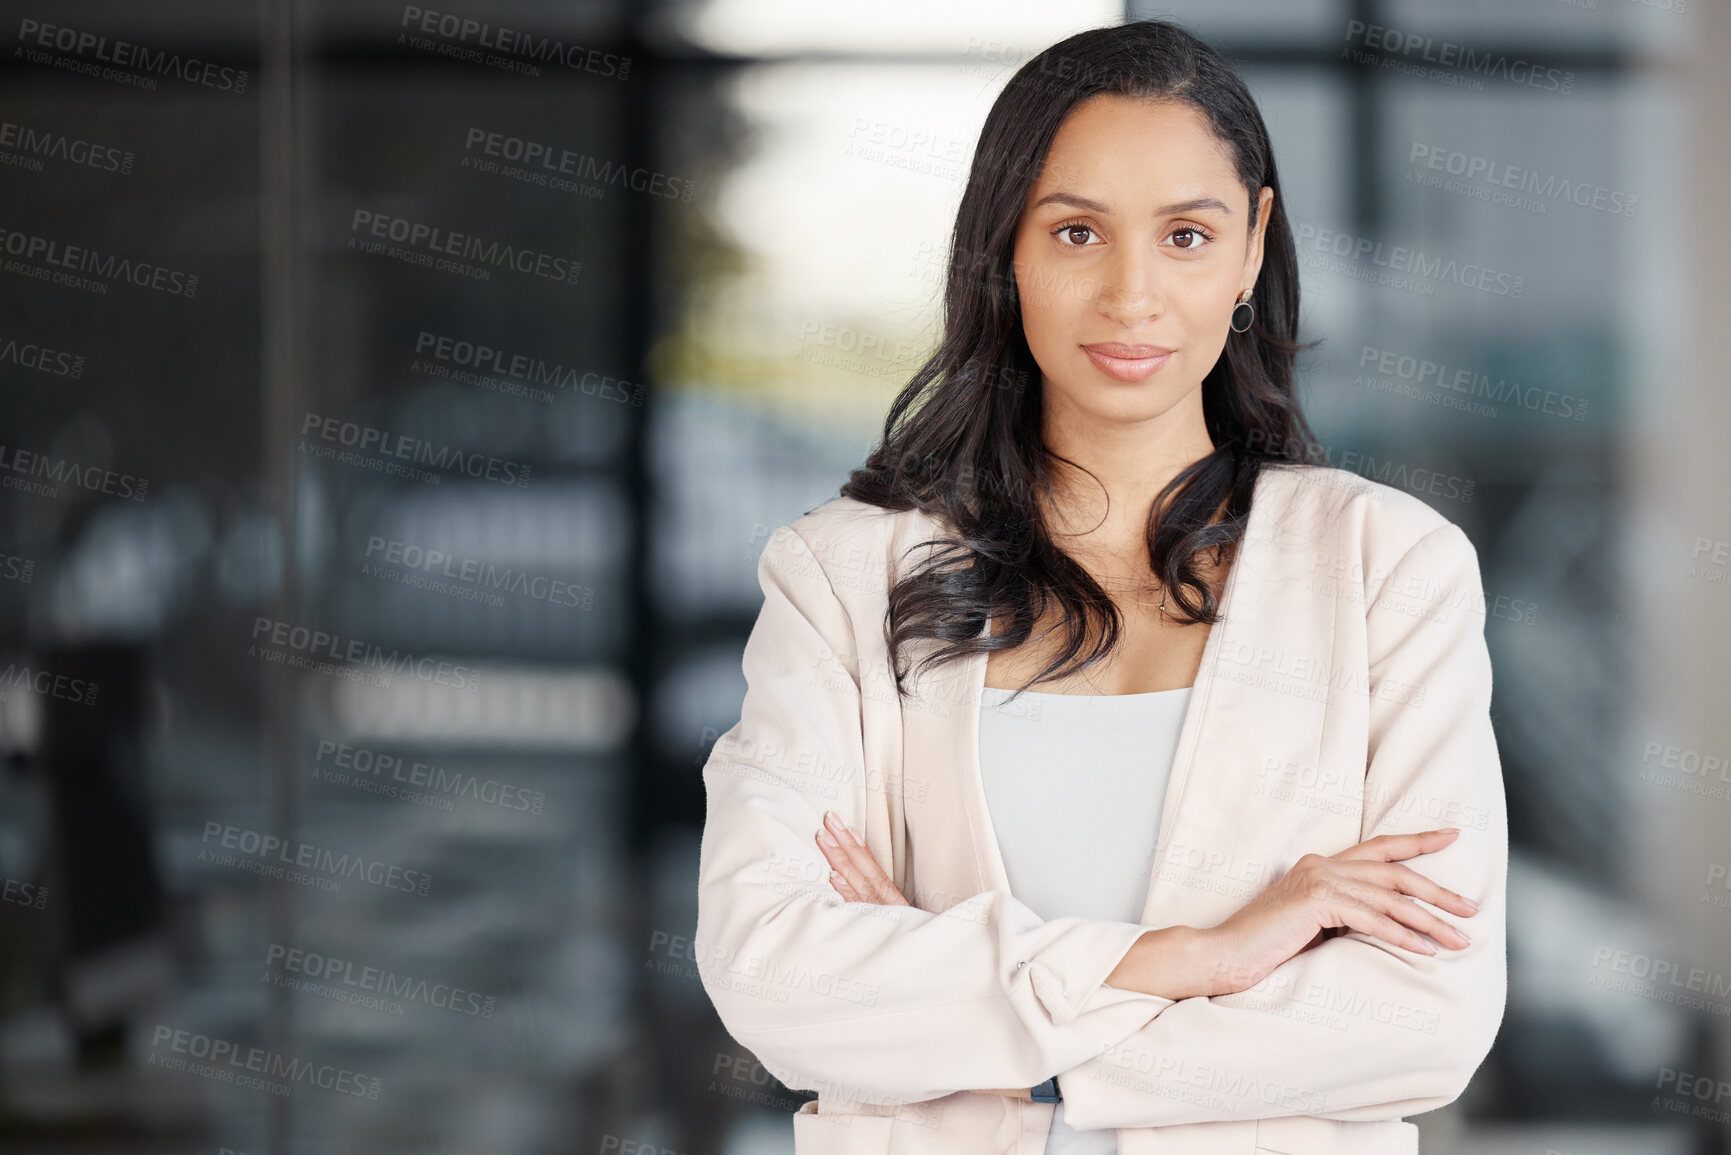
<point>1093,206</point>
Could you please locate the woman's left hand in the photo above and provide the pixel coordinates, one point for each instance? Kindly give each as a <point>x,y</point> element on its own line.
<point>857,877</point>
<point>854,873</point>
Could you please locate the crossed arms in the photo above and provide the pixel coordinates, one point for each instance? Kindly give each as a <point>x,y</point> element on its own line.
<point>895,1004</point>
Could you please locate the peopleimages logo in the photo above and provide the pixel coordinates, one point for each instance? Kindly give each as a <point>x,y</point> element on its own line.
<point>1422,372</point>
<point>467,576</point>
<point>1461,58</point>
<point>268,632</point>
<point>31,355</point>
<point>34,35</point>
<point>1497,176</point>
<point>255,1067</point>
<point>274,853</point>
<point>546,164</point>
<point>1401,265</point>
<point>298,968</point>
<point>29,894</point>
<point>434,242</point>
<point>464,38</point>
<point>366,439</point>
<point>78,691</point>
<point>81,267</point>
<point>34,144</point>
<point>54,471</point>
<point>341,760</point>
<point>472,361</point>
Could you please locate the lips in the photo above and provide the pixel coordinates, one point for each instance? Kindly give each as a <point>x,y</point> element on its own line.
<point>1128,362</point>
<point>1129,352</point>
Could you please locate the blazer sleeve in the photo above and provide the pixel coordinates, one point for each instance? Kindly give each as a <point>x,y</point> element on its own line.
<point>1356,1028</point>
<point>888,1004</point>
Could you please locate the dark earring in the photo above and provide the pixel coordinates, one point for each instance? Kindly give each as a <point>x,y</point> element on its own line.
<point>1249,312</point>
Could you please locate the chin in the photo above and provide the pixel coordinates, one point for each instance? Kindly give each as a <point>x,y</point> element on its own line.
<point>1126,401</point>
<point>1162,383</point>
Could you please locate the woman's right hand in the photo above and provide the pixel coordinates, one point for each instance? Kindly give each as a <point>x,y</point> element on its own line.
<point>1363,888</point>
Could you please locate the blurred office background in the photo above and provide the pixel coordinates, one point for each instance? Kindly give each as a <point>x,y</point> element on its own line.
<point>658,287</point>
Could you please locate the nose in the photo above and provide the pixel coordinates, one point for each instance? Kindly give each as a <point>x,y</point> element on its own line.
<point>1131,289</point>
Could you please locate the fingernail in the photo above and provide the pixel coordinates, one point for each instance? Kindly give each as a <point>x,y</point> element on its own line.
<point>1451,830</point>
<point>1469,902</point>
<point>1463,934</point>
<point>828,839</point>
<point>833,820</point>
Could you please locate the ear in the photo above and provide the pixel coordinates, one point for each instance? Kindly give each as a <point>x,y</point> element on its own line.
<point>1253,249</point>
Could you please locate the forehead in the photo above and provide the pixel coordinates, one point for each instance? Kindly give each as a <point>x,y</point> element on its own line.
<point>1137,148</point>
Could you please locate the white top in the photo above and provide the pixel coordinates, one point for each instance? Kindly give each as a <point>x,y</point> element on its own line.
<point>1074,784</point>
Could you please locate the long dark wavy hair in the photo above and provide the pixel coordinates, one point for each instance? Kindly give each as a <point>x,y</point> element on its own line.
<point>963,442</point>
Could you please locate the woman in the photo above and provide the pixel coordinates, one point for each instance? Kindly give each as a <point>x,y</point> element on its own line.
<point>1169,902</point>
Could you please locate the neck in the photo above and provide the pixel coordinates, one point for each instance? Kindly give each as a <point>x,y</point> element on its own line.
<point>1131,461</point>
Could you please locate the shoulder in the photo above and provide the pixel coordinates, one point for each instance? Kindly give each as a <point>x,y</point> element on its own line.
<point>1374,523</point>
<point>850,542</point>
<point>842,519</point>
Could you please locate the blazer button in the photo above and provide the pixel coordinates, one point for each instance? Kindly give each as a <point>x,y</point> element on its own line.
<point>1023,963</point>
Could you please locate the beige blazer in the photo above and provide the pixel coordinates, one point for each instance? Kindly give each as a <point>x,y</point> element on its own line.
<point>1345,693</point>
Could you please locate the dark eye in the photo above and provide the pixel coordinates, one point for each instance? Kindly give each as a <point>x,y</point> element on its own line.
<point>1067,234</point>
<point>1199,239</point>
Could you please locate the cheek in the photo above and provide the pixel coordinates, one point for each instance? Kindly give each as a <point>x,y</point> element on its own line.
<point>1048,295</point>
<point>1196,314</point>
<point>1029,278</point>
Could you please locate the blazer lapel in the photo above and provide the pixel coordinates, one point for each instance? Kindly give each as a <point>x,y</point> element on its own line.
<point>1256,717</point>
